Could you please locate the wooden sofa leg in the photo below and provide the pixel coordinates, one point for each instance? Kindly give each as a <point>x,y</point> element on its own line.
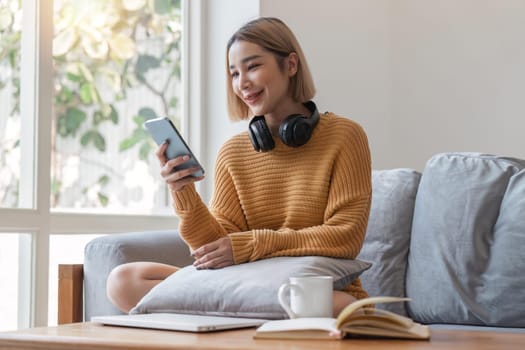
<point>70,295</point>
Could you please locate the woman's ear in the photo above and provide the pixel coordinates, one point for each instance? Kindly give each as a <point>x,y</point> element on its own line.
<point>292,64</point>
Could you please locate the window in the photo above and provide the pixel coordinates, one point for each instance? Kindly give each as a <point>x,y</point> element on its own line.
<point>116,64</point>
<point>74,159</point>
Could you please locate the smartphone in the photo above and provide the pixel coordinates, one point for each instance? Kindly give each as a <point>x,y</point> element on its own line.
<point>162,129</point>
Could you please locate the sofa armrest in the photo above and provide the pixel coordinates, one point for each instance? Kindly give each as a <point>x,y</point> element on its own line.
<point>105,253</point>
<point>70,282</point>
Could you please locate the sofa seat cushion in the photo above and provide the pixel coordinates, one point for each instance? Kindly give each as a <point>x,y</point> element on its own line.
<point>453,243</point>
<point>388,234</point>
<point>244,290</point>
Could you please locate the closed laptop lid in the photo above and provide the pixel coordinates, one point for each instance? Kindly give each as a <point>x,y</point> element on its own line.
<point>178,322</point>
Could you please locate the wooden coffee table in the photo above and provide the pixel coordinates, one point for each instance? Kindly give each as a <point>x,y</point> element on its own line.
<point>92,336</point>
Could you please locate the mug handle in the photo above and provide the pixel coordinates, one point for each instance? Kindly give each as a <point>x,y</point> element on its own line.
<point>282,300</point>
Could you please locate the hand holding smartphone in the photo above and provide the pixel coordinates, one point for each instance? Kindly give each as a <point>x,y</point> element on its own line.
<point>162,129</point>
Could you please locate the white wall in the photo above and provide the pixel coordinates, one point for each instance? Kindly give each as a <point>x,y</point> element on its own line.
<point>421,76</point>
<point>222,19</point>
<point>459,77</point>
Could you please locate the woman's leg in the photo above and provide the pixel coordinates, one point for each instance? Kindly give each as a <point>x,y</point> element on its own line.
<point>341,299</point>
<point>128,283</point>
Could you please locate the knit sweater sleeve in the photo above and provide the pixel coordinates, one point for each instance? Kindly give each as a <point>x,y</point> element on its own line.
<point>200,225</point>
<point>345,219</point>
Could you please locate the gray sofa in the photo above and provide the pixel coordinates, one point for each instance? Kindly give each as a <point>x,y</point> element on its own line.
<point>451,238</point>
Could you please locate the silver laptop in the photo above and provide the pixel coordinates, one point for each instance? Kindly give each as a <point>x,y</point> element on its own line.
<point>178,322</point>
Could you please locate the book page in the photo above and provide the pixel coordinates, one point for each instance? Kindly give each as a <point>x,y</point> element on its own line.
<point>379,317</point>
<point>373,323</point>
<point>350,309</point>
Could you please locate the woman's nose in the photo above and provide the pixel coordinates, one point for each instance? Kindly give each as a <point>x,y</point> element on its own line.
<point>244,81</point>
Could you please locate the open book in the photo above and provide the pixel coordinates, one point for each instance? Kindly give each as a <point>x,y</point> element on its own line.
<point>357,319</point>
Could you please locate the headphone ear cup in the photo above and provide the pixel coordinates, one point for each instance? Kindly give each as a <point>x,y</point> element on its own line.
<point>253,139</point>
<point>260,135</point>
<point>295,131</point>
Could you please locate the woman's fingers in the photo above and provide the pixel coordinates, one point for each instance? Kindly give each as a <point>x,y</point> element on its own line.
<point>205,249</point>
<point>180,174</point>
<point>215,263</point>
<point>176,180</point>
<point>214,255</point>
<point>169,165</point>
<point>161,153</point>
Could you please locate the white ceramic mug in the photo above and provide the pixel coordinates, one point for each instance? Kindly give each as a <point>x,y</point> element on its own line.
<point>310,296</point>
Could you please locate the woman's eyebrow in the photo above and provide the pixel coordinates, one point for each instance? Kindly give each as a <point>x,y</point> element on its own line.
<point>246,59</point>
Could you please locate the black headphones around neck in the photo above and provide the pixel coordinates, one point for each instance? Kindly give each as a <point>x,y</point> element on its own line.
<point>294,131</point>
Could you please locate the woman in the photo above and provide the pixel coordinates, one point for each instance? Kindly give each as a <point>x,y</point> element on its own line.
<point>297,183</point>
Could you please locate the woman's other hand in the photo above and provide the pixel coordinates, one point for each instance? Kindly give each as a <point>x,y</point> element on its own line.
<point>214,255</point>
<point>176,180</point>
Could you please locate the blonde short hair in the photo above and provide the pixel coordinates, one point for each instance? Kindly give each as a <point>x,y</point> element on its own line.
<point>273,35</point>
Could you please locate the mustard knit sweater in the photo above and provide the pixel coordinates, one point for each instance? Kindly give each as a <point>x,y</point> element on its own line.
<point>310,200</point>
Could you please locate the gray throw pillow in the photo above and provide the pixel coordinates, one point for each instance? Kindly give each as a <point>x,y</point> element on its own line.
<point>388,234</point>
<point>244,290</point>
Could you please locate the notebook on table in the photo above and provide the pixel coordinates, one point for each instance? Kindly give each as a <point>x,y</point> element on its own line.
<point>178,322</point>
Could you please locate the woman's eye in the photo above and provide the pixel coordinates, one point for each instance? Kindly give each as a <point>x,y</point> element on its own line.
<point>253,66</point>
<point>234,74</point>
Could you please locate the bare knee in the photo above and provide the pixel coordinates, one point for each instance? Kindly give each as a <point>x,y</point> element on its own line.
<point>128,283</point>
<point>118,277</point>
<point>120,283</point>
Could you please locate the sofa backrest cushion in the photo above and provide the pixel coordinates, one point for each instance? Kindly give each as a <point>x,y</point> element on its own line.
<point>504,279</point>
<point>388,234</point>
<point>457,206</point>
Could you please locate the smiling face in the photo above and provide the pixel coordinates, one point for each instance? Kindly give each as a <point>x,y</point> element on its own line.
<point>261,79</point>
